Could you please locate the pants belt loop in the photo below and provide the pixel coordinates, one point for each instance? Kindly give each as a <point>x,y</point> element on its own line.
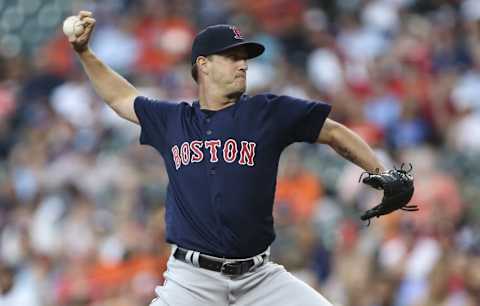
<point>261,259</point>
<point>188,257</point>
<point>257,261</point>
<point>195,257</point>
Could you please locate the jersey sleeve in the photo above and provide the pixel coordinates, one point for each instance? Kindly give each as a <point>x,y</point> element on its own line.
<point>153,116</point>
<point>300,120</point>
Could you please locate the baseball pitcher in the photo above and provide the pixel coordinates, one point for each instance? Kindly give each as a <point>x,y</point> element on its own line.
<point>221,153</point>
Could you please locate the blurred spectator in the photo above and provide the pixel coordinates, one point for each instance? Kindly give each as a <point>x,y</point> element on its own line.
<point>164,34</point>
<point>297,189</point>
<point>18,288</point>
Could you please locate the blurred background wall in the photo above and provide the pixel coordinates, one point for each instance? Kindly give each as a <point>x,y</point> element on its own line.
<point>81,203</point>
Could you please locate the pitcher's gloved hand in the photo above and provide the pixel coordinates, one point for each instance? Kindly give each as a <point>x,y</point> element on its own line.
<point>397,186</point>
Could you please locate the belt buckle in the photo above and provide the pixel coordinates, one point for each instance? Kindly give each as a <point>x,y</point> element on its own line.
<point>231,268</point>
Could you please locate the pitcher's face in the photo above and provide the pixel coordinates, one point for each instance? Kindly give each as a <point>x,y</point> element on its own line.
<point>228,70</point>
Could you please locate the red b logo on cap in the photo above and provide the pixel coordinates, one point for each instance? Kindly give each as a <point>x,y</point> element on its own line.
<point>237,33</point>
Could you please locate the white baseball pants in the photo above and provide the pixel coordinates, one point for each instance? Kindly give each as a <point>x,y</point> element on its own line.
<point>269,284</point>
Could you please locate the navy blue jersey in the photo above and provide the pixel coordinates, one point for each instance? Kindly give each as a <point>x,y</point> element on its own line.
<point>222,166</point>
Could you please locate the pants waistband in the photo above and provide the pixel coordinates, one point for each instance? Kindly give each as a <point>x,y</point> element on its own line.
<point>232,267</point>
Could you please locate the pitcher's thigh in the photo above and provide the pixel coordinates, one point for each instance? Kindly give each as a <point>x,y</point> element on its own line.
<point>186,285</point>
<point>169,296</point>
<point>174,294</point>
<point>282,288</point>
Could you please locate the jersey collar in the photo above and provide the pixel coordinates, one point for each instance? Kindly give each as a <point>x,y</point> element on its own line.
<point>232,109</point>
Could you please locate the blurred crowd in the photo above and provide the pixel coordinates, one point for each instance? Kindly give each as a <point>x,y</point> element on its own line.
<point>82,203</point>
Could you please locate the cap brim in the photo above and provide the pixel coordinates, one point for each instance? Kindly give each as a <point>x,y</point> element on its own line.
<point>253,49</point>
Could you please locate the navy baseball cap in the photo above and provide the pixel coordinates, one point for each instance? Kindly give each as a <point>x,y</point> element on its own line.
<point>221,37</point>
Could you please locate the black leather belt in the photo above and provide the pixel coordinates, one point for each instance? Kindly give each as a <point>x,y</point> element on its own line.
<point>228,267</point>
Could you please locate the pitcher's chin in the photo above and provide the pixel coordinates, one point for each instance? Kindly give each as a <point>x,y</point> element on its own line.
<point>236,94</point>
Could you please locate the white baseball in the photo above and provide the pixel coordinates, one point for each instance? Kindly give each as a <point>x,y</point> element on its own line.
<point>72,26</point>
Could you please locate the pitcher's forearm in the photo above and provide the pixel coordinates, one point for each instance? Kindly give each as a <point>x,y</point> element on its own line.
<point>349,145</point>
<point>108,84</point>
<point>355,149</point>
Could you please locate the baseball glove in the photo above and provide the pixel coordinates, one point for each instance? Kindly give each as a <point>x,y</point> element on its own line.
<point>397,186</point>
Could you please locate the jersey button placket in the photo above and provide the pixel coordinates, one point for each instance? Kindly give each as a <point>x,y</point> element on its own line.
<point>212,171</point>
<point>207,126</point>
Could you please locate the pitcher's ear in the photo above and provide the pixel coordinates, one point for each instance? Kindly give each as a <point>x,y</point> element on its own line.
<point>201,65</point>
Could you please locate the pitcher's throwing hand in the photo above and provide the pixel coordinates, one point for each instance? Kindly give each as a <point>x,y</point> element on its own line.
<point>82,35</point>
